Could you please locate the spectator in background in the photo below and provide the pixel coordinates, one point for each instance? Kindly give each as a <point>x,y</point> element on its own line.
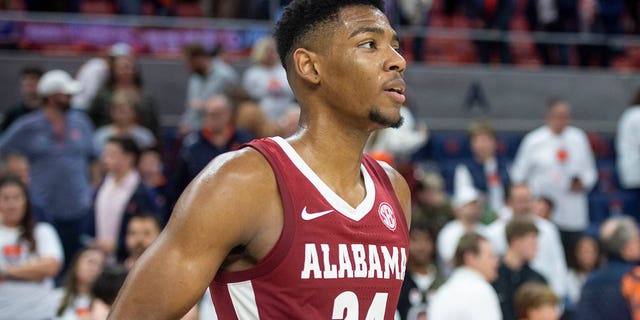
<point>423,277</point>
<point>216,137</point>
<point>29,98</point>
<point>476,266</point>
<point>124,115</point>
<point>514,270</point>
<point>125,76</point>
<point>94,73</point>
<point>266,80</point>
<point>582,262</point>
<point>151,170</point>
<point>249,116</point>
<point>431,203</point>
<point>492,15</point>
<point>415,13</point>
<point>134,7</point>
<point>121,195</point>
<point>484,171</point>
<point>601,296</point>
<point>549,259</point>
<point>550,16</point>
<point>142,230</point>
<point>57,141</point>
<point>75,301</point>
<point>31,257</point>
<point>543,207</point>
<point>17,165</point>
<point>466,209</point>
<point>628,148</point>
<point>209,76</point>
<point>556,161</point>
<point>536,301</point>
<point>105,290</point>
<point>400,143</point>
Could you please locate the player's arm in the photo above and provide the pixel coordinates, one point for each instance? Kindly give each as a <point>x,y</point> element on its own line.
<point>401,188</point>
<point>220,210</point>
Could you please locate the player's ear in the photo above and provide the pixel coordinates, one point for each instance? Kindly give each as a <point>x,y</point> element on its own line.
<point>305,65</point>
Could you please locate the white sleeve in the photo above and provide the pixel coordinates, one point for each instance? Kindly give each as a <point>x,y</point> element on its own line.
<point>487,308</point>
<point>521,162</point>
<point>462,179</point>
<point>47,242</point>
<point>586,162</point>
<point>558,281</point>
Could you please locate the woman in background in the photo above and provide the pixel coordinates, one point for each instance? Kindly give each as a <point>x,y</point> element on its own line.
<point>31,256</point>
<point>76,295</point>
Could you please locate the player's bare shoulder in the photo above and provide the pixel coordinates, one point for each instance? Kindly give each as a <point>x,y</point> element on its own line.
<point>401,188</point>
<point>239,185</point>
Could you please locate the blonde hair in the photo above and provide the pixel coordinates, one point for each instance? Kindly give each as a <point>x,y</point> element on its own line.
<point>259,50</point>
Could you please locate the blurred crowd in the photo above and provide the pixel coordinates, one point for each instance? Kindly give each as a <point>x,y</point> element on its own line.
<point>88,181</point>
<point>586,28</point>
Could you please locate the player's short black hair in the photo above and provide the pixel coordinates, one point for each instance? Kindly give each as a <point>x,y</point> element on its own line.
<point>301,17</point>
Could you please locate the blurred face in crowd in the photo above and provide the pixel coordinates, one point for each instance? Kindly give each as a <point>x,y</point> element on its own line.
<point>199,64</point>
<point>89,266</point>
<point>526,246</point>
<point>520,200</point>
<point>217,114</point>
<point>59,101</point>
<point>469,212</point>
<point>19,166</point>
<point>29,86</point>
<point>124,69</point>
<point>631,250</point>
<point>150,164</point>
<point>141,232</point>
<point>420,247</point>
<point>483,146</point>
<point>13,204</point>
<point>270,57</point>
<point>541,209</point>
<point>587,253</point>
<point>544,312</point>
<point>115,160</point>
<point>485,262</point>
<point>559,116</point>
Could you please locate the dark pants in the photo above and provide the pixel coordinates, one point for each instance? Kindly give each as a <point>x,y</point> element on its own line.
<point>69,232</point>
<point>569,240</point>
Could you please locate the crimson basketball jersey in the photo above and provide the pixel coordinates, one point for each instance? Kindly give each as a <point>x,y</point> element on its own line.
<point>332,261</point>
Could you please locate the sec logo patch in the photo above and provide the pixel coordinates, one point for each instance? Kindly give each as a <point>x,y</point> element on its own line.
<point>387,216</point>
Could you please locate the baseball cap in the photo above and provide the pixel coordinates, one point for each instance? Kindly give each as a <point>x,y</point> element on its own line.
<point>464,195</point>
<point>57,81</point>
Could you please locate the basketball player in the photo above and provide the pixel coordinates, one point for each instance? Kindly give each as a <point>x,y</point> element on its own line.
<point>304,228</point>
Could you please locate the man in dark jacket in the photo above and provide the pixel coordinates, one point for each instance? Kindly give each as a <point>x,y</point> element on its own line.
<point>602,293</point>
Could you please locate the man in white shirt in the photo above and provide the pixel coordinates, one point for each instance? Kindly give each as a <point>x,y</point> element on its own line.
<point>466,207</point>
<point>628,147</point>
<point>556,161</point>
<point>549,259</point>
<point>467,295</point>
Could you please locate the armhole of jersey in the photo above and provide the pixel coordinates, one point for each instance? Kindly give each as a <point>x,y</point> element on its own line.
<point>279,251</point>
<point>383,177</point>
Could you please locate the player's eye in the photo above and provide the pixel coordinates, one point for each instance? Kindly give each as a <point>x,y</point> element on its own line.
<point>368,45</point>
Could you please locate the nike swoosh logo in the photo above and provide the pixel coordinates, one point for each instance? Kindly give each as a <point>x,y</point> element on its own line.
<point>310,216</point>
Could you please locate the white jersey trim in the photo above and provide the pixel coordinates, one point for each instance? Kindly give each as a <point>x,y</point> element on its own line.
<point>336,201</point>
<point>244,300</point>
